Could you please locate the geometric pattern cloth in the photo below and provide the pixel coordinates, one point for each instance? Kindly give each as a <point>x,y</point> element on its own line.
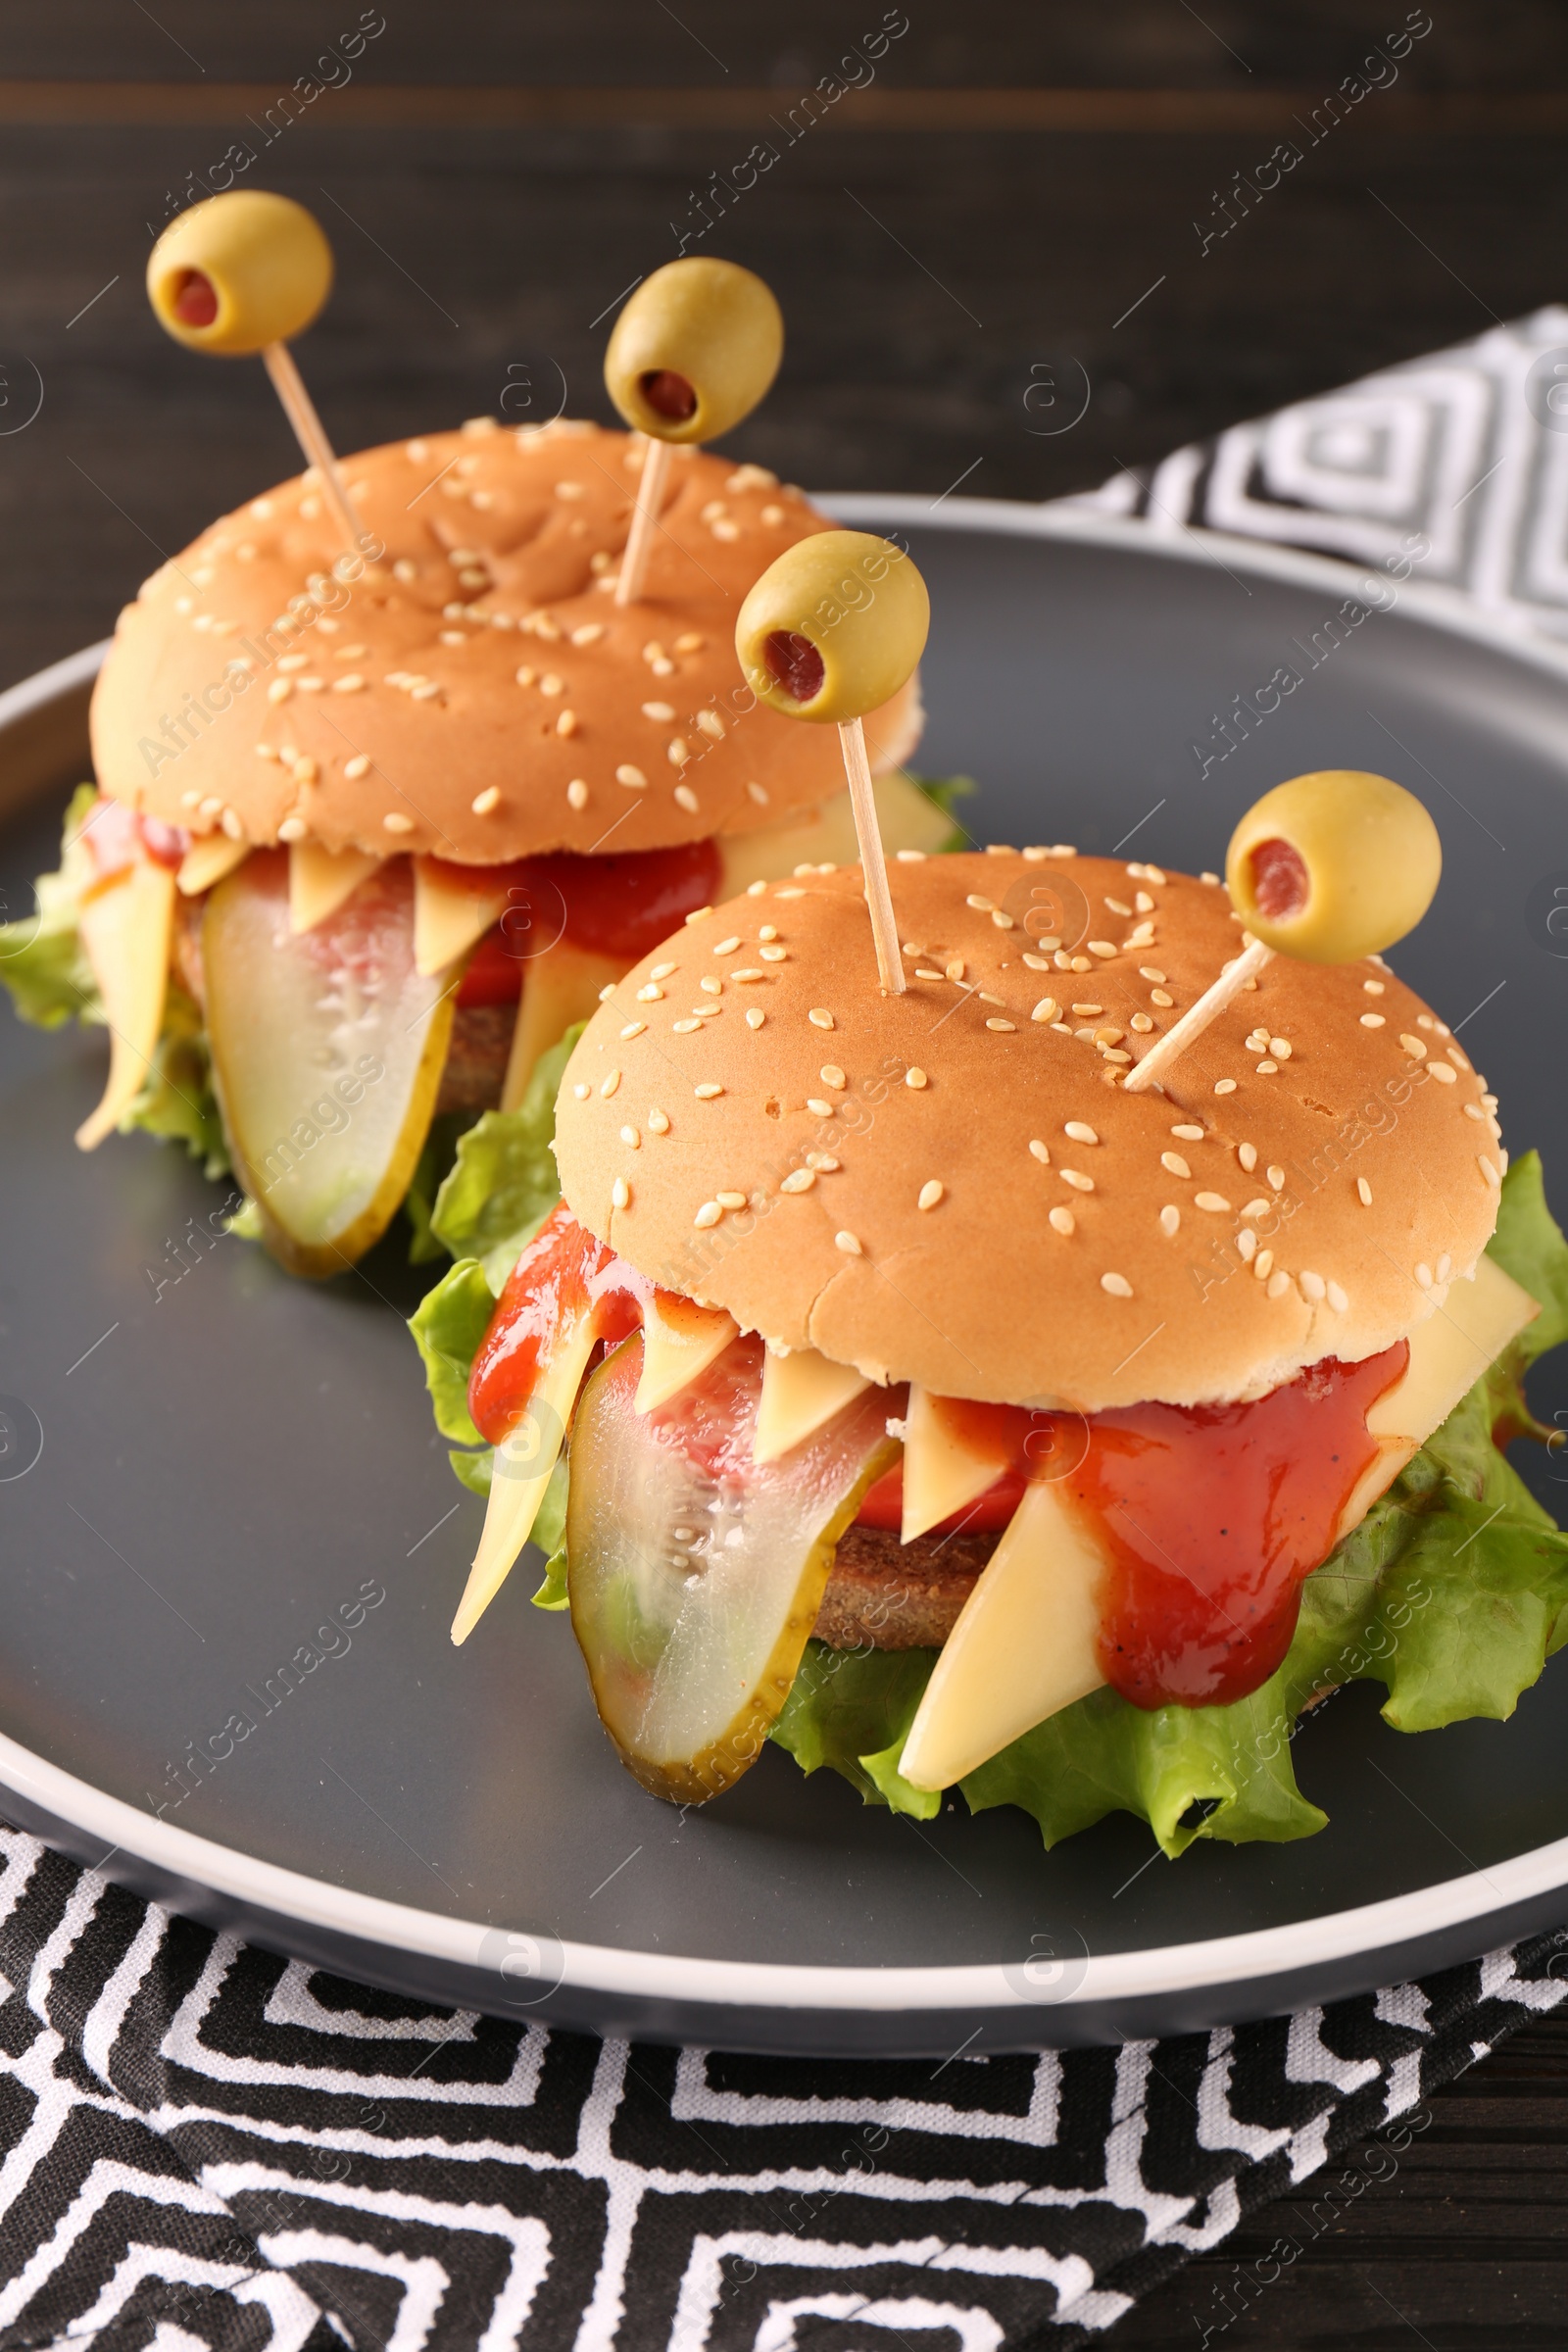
<point>204,2145</point>
<point>1469,447</point>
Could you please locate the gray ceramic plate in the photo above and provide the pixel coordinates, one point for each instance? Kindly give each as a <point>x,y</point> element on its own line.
<point>228,1458</point>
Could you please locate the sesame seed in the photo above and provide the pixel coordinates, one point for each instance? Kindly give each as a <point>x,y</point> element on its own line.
<point>730,1199</point>
<point>708,1091</point>
<point>1278,1283</point>
<point>1118,907</point>
<point>726,947</point>
<point>1487,1169</point>
<point>819,1108</point>
<point>1441,1073</point>
<point>788,892</point>
<point>291,829</point>
<point>1061,1220</point>
<point>627,774</point>
<point>1170,1218</point>
<point>581,1090</point>
<point>1313,1285</point>
<point>1174,1163</point>
<point>699,914</point>
<point>687,798</point>
<point>685,1028</point>
<point>352,684</point>
<point>1364,1192</point>
<point>1040,1153</point>
<point>1160,996</point>
<point>1414,1046</point>
<point>1037,964</point>
<point>662,712</point>
<point>831,1075</point>
<point>650,993</point>
<point>1141,1023</point>
<point>1423,1274</point>
<point>758,795</point>
<point>1224,1086</point>
<point>1263,1264</point>
<point>1473,1110</point>
<point>280,690</point>
<point>1247,1245</point>
<point>1189,1134</point>
<point>1247,1153</point>
<point>1276,1176</point>
<point>620,1194</point>
<point>606,992</point>
<point>1048,1009</point>
<point>755,1017</point>
<point>930,1193</point>
<point>396,822</point>
<point>980,905</point>
<point>709,1214</point>
<point>1146,971</point>
<point>633,1029</point>
<point>954,969</point>
<point>577,793</point>
<point>848,1243</point>
<point>1003,922</point>
<point>1374,988</point>
<point>305,772</point>
<point>629,1135</point>
<point>1267,1069</point>
<point>916,1078</point>
<point>677,751</point>
<point>657,1121</point>
<point>994,1023</point>
<point>823,1161</point>
<point>1215,1202</point>
<point>1099,947</point>
<point>773,955</point>
<point>1075,1177</point>
<point>1255,1209</point>
<point>609,1083</point>
<point>1445,1266</point>
<point>1337,1298</point>
<point>589,633</point>
<point>1080,1132</point>
<point>1118,1285</point>
<point>1373,1020</point>
<point>425,693</point>
<point>819,1017</point>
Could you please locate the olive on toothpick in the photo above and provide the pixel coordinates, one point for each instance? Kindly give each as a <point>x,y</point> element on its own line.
<point>1328,869</point>
<point>830,631</point>
<point>693,351</point>
<point>240,276</point>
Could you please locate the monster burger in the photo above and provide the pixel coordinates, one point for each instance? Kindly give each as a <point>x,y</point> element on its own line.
<point>371,830</point>
<point>951,1412</point>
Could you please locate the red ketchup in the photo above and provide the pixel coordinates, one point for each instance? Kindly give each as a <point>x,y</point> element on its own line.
<point>618,905</point>
<point>1025,1445</point>
<point>562,1273</point>
<point>117,837</point>
<point>1210,1518</point>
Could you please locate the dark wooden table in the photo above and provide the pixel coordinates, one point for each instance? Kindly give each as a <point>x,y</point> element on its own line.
<point>1011,188</point>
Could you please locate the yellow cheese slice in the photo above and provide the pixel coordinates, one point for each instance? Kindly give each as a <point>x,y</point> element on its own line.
<point>945,1469</point>
<point>799,1392</point>
<point>207,862</point>
<point>127,925</point>
<point>680,1340</point>
<point>1023,1646</point>
<point>908,819</point>
<point>560,987</point>
<point>523,1464</point>
<point>319,880</point>
<point>450,912</point>
<point>1449,1352</point>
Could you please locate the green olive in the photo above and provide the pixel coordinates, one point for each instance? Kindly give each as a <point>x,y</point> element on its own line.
<point>835,628</point>
<point>239,272</point>
<point>694,350</point>
<point>1334,866</point>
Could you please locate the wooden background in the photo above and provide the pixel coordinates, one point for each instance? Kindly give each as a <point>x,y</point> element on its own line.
<point>992,205</point>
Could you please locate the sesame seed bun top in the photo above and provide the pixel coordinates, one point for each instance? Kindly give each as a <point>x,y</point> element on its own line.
<point>475,692</point>
<point>951,1187</point>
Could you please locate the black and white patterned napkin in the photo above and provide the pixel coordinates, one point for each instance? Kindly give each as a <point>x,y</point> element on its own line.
<point>204,2145</point>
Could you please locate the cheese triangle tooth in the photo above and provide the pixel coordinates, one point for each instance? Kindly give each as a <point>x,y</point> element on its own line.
<point>680,1340</point>
<point>523,1462</point>
<point>319,880</point>
<point>801,1392</point>
<point>1023,1648</point>
<point>453,907</point>
<point>207,862</point>
<point>947,1465</point>
<point>561,985</point>
<point>126,926</point>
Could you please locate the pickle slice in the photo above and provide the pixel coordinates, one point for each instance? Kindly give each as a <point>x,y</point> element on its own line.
<point>695,1573</point>
<point>327,1050</point>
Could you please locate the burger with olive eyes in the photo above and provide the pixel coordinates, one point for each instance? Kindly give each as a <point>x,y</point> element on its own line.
<point>893,1383</point>
<point>370,833</point>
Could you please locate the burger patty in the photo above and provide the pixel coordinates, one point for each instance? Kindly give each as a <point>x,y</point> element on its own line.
<point>884,1595</point>
<point>476,1058</point>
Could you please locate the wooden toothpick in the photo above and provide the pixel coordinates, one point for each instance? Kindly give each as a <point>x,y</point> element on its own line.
<point>1175,1042</point>
<point>873,858</point>
<point>300,410</point>
<point>644,522</point>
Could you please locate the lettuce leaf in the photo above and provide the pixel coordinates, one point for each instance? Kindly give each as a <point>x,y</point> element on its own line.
<point>448,1325</point>
<point>177,1101</point>
<point>502,1183</point>
<point>1450,1593</point>
<point>42,961</point>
